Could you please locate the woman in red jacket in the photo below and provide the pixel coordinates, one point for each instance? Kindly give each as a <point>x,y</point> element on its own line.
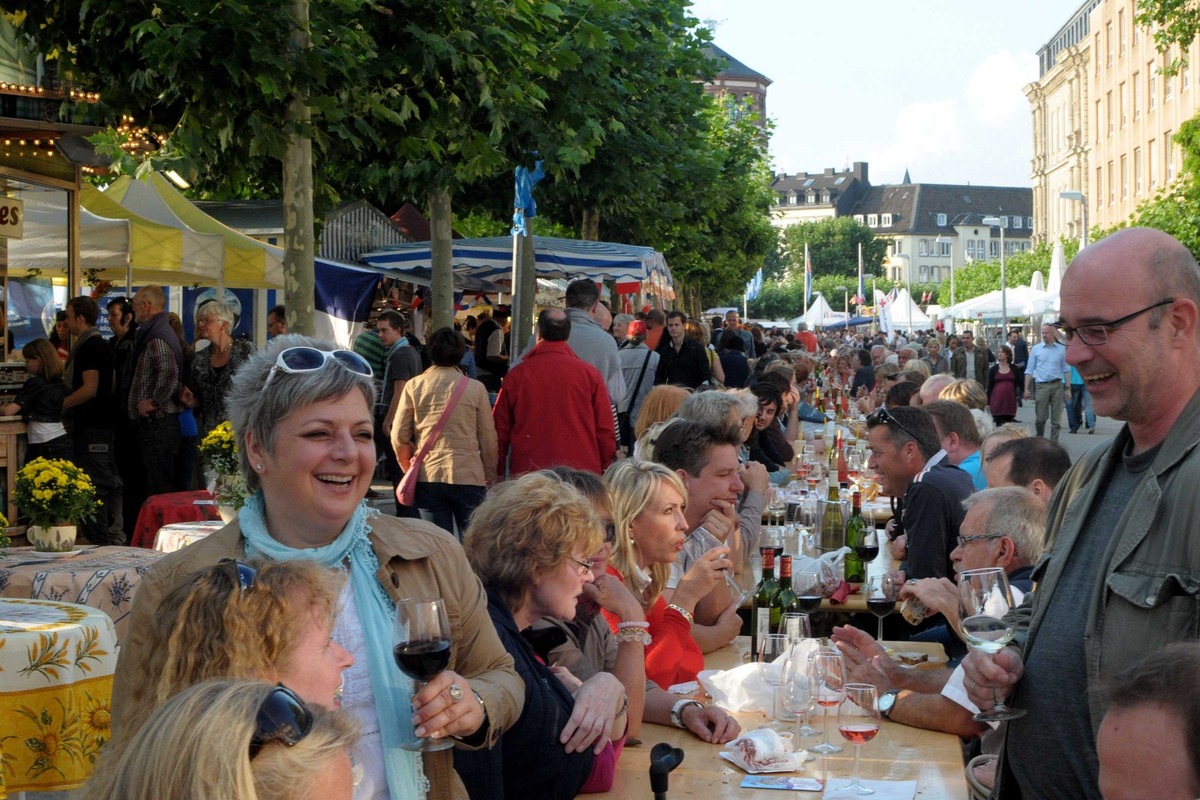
<point>647,508</point>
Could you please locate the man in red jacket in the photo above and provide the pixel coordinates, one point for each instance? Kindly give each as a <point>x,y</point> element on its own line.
<point>554,408</point>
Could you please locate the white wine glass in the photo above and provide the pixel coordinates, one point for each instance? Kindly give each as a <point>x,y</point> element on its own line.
<point>827,676</point>
<point>858,722</point>
<point>770,647</point>
<point>421,646</point>
<point>699,542</point>
<point>984,603</point>
<point>795,626</point>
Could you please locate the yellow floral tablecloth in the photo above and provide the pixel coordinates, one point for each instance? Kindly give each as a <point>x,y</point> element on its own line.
<point>56,671</point>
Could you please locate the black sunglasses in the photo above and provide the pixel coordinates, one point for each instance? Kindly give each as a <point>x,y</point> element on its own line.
<point>882,417</point>
<point>245,574</point>
<point>282,717</point>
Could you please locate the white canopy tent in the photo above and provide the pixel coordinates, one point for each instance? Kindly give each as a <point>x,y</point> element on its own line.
<point>818,312</point>
<point>902,314</point>
<point>1021,301</point>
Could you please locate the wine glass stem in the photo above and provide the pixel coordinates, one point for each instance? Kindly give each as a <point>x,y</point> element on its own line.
<point>879,638</point>
<point>824,725</point>
<point>857,748</point>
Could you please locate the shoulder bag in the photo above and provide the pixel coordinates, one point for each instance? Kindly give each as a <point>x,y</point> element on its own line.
<point>406,492</point>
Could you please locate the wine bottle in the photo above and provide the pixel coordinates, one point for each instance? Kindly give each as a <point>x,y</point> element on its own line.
<point>764,596</point>
<point>833,530</point>
<point>786,600</point>
<point>854,569</point>
<point>843,471</point>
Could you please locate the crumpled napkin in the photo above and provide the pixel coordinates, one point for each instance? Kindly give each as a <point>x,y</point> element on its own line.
<point>843,591</point>
<point>745,688</point>
<point>884,790</point>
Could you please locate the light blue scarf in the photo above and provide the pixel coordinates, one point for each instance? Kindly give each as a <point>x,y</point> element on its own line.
<point>393,690</point>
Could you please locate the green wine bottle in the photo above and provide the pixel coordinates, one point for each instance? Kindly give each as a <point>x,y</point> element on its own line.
<point>786,600</point>
<point>856,529</point>
<point>833,527</point>
<point>764,596</point>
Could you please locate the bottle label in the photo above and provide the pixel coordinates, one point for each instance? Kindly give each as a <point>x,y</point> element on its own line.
<point>793,628</point>
<point>762,622</point>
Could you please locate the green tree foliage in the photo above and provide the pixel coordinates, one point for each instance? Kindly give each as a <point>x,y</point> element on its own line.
<point>833,247</point>
<point>1175,24</point>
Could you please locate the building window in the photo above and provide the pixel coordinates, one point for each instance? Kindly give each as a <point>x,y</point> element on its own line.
<point>811,198</point>
<point>1133,86</point>
<point>1109,110</point>
<point>825,196</point>
<point>1169,152</point>
<point>971,249</point>
<point>1121,33</point>
<point>898,246</point>
<point>947,249</point>
<point>1112,185</point>
<point>922,247</point>
<point>1137,170</point>
<point>1096,53</point>
<point>1168,84</point>
<point>1096,124</point>
<point>859,219</point>
<point>1099,187</point>
<point>1151,87</point>
<point>809,182</point>
<point>994,249</point>
<point>924,272</point>
<point>1108,43</point>
<point>887,220</point>
<point>791,198</point>
<point>941,219</point>
<point>1121,100</point>
<point>1152,162</point>
<point>839,181</point>
<point>1017,223</point>
<point>1004,222</point>
<point>1186,76</point>
<point>1029,223</point>
<point>873,220</point>
<point>1124,177</point>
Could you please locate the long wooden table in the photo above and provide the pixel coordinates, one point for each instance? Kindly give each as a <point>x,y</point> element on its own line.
<point>933,760</point>
<point>883,564</point>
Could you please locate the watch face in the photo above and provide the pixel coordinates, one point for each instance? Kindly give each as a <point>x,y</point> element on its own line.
<point>886,702</point>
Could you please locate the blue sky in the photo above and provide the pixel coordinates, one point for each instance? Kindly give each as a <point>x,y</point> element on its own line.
<point>931,85</point>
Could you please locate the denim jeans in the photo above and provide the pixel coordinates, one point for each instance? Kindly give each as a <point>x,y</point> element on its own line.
<point>1079,410</point>
<point>444,504</point>
<point>93,453</point>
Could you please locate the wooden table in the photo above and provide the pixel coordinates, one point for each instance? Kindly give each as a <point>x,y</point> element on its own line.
<point>104,578</point>
<point>933,760</point>
<point>883,564</point>
<point>56,672</point>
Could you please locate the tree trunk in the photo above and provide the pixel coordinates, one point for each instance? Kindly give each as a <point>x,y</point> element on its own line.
<point>441,286</point>
<point>298,249</point>
<point>590,229</point>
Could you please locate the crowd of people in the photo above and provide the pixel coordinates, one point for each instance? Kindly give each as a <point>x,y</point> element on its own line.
<point>546,492</point>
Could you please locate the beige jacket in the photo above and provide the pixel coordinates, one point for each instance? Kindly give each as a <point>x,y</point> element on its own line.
<point>465,453</point>
<point>416,559</point>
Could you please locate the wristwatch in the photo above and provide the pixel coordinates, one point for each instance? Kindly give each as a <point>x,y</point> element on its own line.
<point>887,702</point>
<point>677,711</point>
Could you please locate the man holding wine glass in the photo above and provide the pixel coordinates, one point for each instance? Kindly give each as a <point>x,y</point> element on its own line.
<point>1120,578</point>
<point>1002,528</point>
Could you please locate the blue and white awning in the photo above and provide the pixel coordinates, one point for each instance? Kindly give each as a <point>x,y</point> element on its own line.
<point>490,259</point>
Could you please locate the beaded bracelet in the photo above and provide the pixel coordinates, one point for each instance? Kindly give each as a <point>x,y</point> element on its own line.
<point>634,635</point>
<point>683,612</point>
<point>633,624</point>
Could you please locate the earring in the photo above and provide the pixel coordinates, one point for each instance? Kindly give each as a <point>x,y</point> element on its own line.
<point>258,467</point>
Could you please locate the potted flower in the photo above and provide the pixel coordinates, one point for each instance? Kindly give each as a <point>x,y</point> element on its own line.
<point>220,452</point>
<point>56,496</point>
<point>5,541</point>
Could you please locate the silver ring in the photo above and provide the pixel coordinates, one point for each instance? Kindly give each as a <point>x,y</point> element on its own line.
<point>456,692</point>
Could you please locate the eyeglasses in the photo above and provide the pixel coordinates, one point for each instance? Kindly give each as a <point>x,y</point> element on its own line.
<point>309,359</point>
<point>584,566</point>
<point>246,574</point>
<point>982,537</point>
<point>882,417</point>
<point>1095,334</point>
<point>282,717</point>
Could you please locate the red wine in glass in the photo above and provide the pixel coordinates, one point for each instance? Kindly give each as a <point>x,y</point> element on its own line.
<point>421,646</point>
<point>867,552</point>
<point>423,660</point>
<point>880,606</point>
<point>858,734</point>
<point>808,603</point>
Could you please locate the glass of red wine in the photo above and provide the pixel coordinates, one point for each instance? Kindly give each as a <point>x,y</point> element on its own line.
<point>421,645</point>
<point>807,586</point>
<point>858,722</point>
<point>827,675</point>
<point>881,597</point>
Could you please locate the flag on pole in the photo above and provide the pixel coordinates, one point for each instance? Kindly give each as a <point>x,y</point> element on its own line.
<point>861,297</point>
<point>524,206</point>
<point>808,277</point>
<point>754,286</point>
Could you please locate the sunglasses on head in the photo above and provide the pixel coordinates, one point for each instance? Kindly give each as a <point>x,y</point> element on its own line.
<point>882,417</point>
<point>309,359</point>
<point>282,717</point>
<point>245,574</point>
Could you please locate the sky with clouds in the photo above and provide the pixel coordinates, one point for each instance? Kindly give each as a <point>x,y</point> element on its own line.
<point>934,86</point>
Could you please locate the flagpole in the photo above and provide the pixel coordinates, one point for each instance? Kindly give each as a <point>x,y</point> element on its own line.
<point>807,278</point>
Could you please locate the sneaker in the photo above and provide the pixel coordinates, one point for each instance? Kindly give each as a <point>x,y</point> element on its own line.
<point>1091,430</point>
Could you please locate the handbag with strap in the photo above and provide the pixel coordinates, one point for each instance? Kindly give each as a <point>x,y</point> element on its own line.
<point>406,492</point>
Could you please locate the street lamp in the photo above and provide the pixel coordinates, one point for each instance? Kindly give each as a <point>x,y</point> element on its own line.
<point>1003,277</point>
<point>1078,197</point>
<point>846,296</point>
<point>870,276</point>
<point>939,241</point>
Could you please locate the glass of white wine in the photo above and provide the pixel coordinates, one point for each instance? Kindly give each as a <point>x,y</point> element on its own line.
<point>984,602</point>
